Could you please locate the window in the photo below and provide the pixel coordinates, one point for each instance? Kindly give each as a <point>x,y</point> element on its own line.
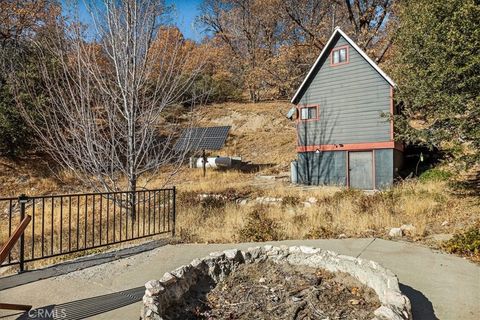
<point>308,113</point>
<point>339,56</point>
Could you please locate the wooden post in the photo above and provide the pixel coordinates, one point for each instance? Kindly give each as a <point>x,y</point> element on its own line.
<point>204,158</point>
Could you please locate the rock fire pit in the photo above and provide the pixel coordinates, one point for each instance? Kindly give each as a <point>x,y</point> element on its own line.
<point>298,281</point>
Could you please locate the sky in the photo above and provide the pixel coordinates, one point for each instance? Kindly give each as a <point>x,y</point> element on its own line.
<point>184,15</point>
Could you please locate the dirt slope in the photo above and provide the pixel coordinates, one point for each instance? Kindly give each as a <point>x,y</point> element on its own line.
<point>260,133</point>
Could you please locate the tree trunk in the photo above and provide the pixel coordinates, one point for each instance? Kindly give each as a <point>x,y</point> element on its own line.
<point>132,176</point>
<point>132,185</point>
<point>139,67</point>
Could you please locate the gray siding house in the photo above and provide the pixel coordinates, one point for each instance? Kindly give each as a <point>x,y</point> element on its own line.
<point>344,136</point>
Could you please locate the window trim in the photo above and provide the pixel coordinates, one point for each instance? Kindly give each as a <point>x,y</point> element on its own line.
<point>300,107</point>
<point>347,47</point>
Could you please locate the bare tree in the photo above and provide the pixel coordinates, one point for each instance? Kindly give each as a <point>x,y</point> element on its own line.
<point>107,90</point>
<point>311,20</point>
<point>368,19</point>
<point>365,20</point>
<point>247,30</point>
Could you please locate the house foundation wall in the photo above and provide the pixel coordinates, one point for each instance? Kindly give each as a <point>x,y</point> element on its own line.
<point>322,168</point>
<point>331,167</point>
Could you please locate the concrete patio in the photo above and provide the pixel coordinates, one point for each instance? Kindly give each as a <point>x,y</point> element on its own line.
<point>110,286</point>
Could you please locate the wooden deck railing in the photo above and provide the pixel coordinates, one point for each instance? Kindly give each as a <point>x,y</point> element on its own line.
<point>17,234</point>
<point>14,238</point>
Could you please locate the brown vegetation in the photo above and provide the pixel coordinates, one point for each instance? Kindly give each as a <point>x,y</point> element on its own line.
<point>431,204</point>
<point>432,207</point>
<point>268,290</point>
<point>260,133</point>
<point>272,43</point>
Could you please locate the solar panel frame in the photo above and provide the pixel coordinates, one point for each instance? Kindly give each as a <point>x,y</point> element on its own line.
<point>203,138</point>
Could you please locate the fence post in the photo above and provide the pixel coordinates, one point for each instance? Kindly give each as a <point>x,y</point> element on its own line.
<point>22,200</point>
<point>174,213</point>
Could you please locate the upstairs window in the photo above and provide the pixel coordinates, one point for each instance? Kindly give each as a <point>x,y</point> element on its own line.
<point>339,56</point>
<point>309,113</point>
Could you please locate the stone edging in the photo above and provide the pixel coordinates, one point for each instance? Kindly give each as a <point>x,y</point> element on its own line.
<point>171,288</point>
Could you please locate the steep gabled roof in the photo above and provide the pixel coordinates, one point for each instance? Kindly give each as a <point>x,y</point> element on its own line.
<point>325,52</point>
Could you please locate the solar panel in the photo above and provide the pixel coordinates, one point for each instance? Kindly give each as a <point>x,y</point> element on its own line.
<point>210,138</point>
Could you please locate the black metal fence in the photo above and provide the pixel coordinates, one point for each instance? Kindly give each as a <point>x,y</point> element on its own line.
<point>64,224</point>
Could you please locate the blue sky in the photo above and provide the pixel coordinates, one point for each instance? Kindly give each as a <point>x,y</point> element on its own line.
<point>183,16</point>
<point>185,13</point>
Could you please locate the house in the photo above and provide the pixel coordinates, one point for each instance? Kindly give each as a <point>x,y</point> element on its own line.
<point>345,136</point>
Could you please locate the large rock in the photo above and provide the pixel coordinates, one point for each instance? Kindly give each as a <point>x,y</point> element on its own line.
<point>312,200</point>
<point>395,233</point>
<point>408,229</point>
<point>168,279</point>
<point>153,288</point>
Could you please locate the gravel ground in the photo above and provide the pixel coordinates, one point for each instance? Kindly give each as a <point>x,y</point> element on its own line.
<point>280,291</point>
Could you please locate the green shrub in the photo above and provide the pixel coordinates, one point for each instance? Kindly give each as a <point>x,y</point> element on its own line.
<point>15,135</point>
<point>209,89</point>
<point>435,175</point>
<point>465,243</point>
<point>259,227</point>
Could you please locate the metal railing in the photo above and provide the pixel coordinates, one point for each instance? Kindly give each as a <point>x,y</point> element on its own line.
<point>65,224</point>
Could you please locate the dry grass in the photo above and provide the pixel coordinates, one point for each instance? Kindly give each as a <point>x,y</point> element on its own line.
<point>65,224</point>
<point>34,175</point>
<point>252,126</point>
<point>425,205</point>
<point>337,211</point>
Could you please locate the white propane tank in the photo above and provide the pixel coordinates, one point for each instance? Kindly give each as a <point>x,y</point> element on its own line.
<point>215,162</point>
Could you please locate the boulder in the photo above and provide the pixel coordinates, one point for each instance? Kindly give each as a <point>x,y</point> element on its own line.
<point>153,288</point>
<point>312,200</point>
<point>168,279</point>
<point>395,233</point>
<point>407,229</point>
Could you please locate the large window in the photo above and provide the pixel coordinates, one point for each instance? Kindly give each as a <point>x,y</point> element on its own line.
<point>339,55</point>
<point>309,113</point>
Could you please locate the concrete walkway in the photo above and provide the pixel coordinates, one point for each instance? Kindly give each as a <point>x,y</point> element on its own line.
<point>440,286</point>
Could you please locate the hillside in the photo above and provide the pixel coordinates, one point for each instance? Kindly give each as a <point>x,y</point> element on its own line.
<point>260,133</point>
<point>252,204</point>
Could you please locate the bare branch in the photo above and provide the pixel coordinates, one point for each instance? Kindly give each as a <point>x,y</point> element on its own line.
<point>102,113</point>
